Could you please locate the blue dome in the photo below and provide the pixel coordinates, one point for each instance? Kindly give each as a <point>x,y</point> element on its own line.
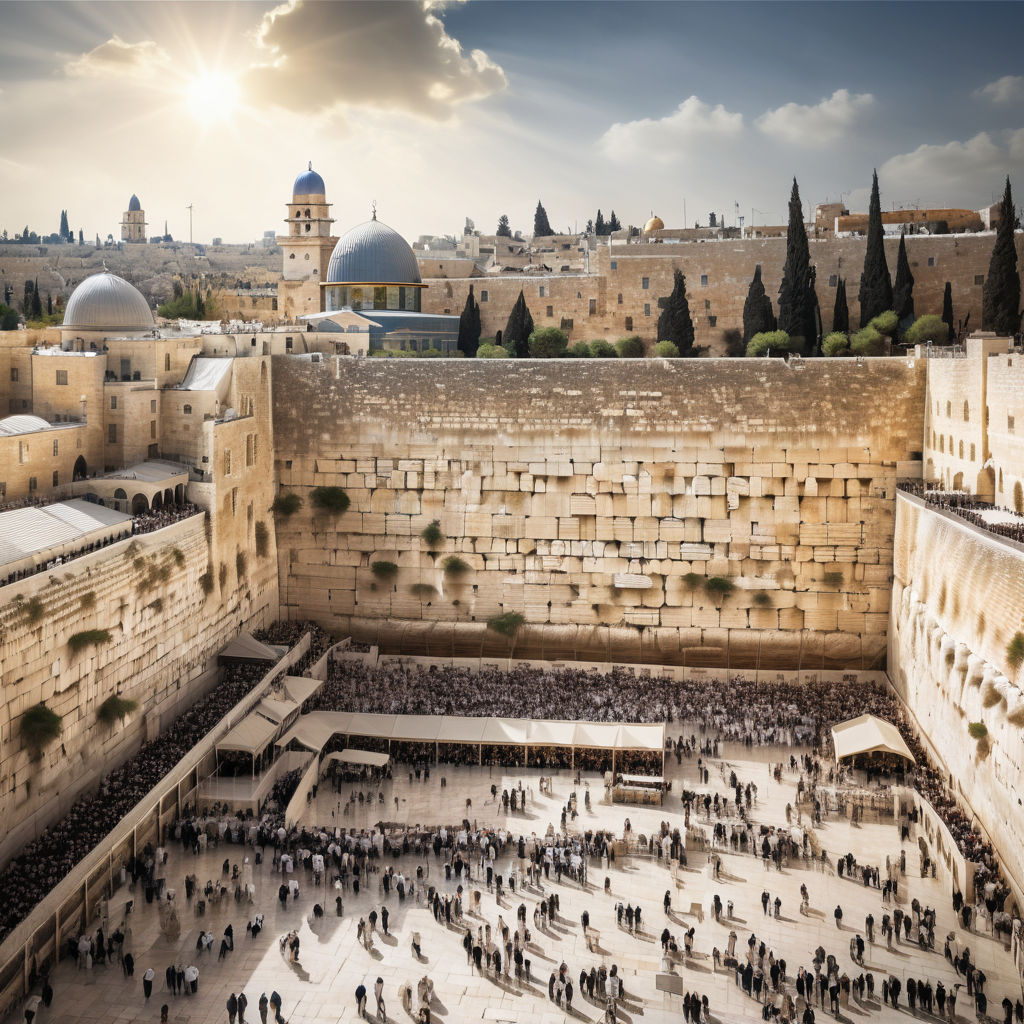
<point>373,253</point>
<point>309,183</point>
<point>134,204</point>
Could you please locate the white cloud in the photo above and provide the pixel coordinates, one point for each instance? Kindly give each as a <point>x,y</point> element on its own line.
<point>1008,89</point>
<point>956,174</point>
<point>116,58</point>
<point>668,138</point>
<point>819,125</point>
<point>392,56</point>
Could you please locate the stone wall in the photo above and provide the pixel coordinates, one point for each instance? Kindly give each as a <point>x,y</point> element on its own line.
<point>146,592</point>
<point>598,498</point>
<point>956,604</point>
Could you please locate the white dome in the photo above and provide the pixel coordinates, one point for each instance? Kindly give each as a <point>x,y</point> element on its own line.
<point>106,302</point>
<point>22,424</point>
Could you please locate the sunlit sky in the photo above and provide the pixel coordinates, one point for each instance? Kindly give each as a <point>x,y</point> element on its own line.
<point>440,112</point>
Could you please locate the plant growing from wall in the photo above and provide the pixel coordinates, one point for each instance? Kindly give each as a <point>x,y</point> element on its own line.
<point>455,568</point>
<point>241,564</point>
<point>332,500</point>
<point>88,638</point>
<point>763,599</point>
<point>87,601</point>
<point>386,572</point>
<point>424,591</point>
<point>115,709</point>
<point>33,611</point>
<point>719,586</point>
<point>692,580</point>
<point>206,582</point>
<point>39,727</point>
<point>179,557</point>
<point>286,505</point>
<point>1015,651</point>
<point>977,730</point>
<point>262,537</point>
<point>832,579</point>
<point>432,537</point>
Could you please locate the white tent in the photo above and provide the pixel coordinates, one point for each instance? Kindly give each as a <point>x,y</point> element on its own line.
<point>633,736</point>
<point>551,734</point>
<point>301,688</point>
<point>416,728</point>
<point>351,756</point>
<point>314,730</point>
<point>461,729</point>
<point>868,735</point>
<point>506,730</point>
<point>245,647</point>
<point>250,736</point>
<point>276,710</point>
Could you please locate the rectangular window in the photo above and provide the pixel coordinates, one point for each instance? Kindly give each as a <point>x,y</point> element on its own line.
<point>227,462</point>
<point>62,376</point>
<point>55,478</point>
<point>152,405</point>
<point>152,428</point>
<point>154,451</point>
<point>712,321</point>
<point>234,499</point>
<point>112,433</point>
<point>615,264</point>
<point>647,309</point>
<point>629,323</point>
<point>551,311</point>
<point>645,283</point>
<point>55,448</point>
<point>167,361</point>
<point>32,484</point>
<point>287,344</point>
<point>483,295</point>
<point>1009,423</point>
<point>113,401</point>
<point>593,306</point>
<point>14,375</point>
<point>931,261</point>
<point>703,280</point>
<point>833,280</point>
<point>707,303</point>
<point>620,298</point>
<point>979,278</point>
<point>22,452</point>
<point>541,293</point>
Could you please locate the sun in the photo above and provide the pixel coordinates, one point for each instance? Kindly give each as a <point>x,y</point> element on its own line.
<point>211,96</point>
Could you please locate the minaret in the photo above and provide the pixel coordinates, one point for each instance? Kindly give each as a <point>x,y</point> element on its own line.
<point>133,225</point>
<point>307,247</point>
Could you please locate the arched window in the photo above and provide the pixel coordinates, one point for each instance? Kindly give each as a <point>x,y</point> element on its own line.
<point>949,410</point>
<point>291,255</point>
<point>307,214</point>
<point>942,443</point>
<point>967,411</point>
<point>306,257</point>
<point>972,453</point>
<point>187,410</point>
<point>308,226</point>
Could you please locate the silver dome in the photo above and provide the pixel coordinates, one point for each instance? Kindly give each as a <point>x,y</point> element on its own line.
<point>106,302</point>
<point>373,253</point>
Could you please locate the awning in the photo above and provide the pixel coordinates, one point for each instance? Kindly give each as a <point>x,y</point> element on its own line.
<point>371,725</point>
<point>416,728</point>
<point>596,734</point>
<point>350,756</point>
<point>552,734</point>
<point>461,729</point>
<point>275,710</point>
<point>867,735</point>
<point>640,737</point>
<point>313,731</point>
<point>300,689</point>
<point>506,730</point>
<point>642,780</point>
<point>246,648</point>
<point>250,736</point>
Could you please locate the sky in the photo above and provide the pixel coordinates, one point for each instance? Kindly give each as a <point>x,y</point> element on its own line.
<point>441,111</point>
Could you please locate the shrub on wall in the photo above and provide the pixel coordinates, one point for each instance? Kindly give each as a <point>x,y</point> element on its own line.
<point>693,580</point>
<point>332,500</point>
<point>386,572</point>
<point>548,343</point>
<point>833,579</point>
<point>115,708</point>
<point>506,624</point>
<point>1015,651</point>
<point>424,591</point>
<point>491,352</point>
<point>579,350</point>
<point>769,343</point>
<point>667,349</point>
<point>262,535</point>
<point>763,599</point>
<point>432,535</point>
<point>88,638</point>
<point>87,600</point>
<point>179,557</point>
<point>241,564</point>
<point>869,341</point>
<point>719,586</point>
<point>977,730</point>
<point>601,349</point>
<point>33,610</point>
<point>927,328</point>
<point>455,568</point>
<point>630,348</point>
<point>206,581</point>
<point>835,344</point>
<point>39,727</point>
<point>286,505</point>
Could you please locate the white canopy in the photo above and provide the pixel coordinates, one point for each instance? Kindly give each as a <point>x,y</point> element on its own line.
<point>314,730</point>
<point>461,729</point>
<point>506,730</point>
<point>250,736</point>
<point>634,736</point>
<point>245,647</point>
<point>596,734</point>
<point>351,756</point>
<point>276,710</point>
<point>207,373</point>
<point>867,735</point>
<point>552,734</point>
<point>300,688</point>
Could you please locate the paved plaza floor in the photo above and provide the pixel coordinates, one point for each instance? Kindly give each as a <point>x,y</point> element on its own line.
<point>332,963</point>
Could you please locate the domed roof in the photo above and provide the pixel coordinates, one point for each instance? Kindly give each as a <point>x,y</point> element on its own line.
<point>373,253</point>
<point>654,224</point>
<point>23,424</point>
<point>134,204</point>
<point>309,183</point>
<point>105,302</point>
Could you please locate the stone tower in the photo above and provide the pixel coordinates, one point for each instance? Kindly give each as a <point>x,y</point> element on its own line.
<point>133,226</point>
<point>307,247</point>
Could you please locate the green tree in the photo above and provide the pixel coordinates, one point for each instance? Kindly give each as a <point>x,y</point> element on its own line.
<point>469,326</point>
<point>579,350</point>
<point>869,341</point>
<point>875,283</point>
<point>675,323</point>
<point>37,302</point>
<point>947,310</point>
<point>795,312</point>
<point>758,315</point>
<point>8,318</point>
<point>490,351</point>
<point>927,328</point>
<point>776,343</point>
<point>601,349</point>
<point>541,227</point>
<point>613,223</point>
<point>49,304</point>
<point>516,338</point>
<point>81,237</point>
<point>630,348</point>
<point>64,229</point>
<point>733,341</point>
<point>667,349</point>
<point>835,344</point>
<point>903,288</point>
<point>1000,303</point>
<point>504,231</point>
<point>886,323</point>
<point>548,343</point>
<point>600,228</point>
<point>841,310</point>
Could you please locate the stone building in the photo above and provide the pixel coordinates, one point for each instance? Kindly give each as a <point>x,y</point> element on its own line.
<point>133,223</point>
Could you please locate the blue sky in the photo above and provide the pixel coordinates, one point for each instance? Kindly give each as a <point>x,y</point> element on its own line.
<point>477,109</point>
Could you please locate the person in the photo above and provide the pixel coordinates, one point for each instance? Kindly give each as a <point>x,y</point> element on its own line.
<point>838,914</point>
<point>378,994</point>
<point>275,1005</point>
<point>262,1007</point>
<point>164,1011</point>
<point>232,1005</point>
<point>147,982</point>
<point>32,1007</point>
<point>361,999</point>
<point>242,1004</point>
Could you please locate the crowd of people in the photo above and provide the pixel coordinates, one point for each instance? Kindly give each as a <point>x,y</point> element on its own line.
<point>1009,525</point>
<point>158,518</point>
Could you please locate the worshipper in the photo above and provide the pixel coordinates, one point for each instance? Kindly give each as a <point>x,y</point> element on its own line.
<point>147,982</point>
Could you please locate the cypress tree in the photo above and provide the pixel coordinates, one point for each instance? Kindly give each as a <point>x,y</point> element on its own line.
<point>504,231</point>
<point>469,326</point>
<point>600,228</point>
<point>81,237</point>
<point>758,316</point>
<point>903,288</point>
<point>49,304</point>
<point>875,282</point>
<point>590,227</point>
<point>841,311</point>
<point>794,312</point>
<point>812,317</point>
<point>541,227</point>
<point>37,302</point>
<point>64,225</point>
<point>516,339</point>
<point>1000,303</point>
<point>947,310</point>
<point>613,223</point>
<point>675,323</point>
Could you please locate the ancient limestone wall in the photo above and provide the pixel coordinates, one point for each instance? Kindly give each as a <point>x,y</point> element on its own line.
<point>598,499</point>
<point>956,604</point>
<point>146,592</point>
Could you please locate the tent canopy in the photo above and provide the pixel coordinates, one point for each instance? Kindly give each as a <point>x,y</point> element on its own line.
<point>250,736</point>
<point>350,756</point>
<point>245,647</point>
<point>640,737</point>
<point>300,689</point>
<point>276,710</point>
<point>314,730</point>
<point>552,734</point>
<point>867,735</point>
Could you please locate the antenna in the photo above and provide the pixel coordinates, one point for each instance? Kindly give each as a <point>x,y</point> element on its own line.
<point>189,208</point>
<point>373,210</point>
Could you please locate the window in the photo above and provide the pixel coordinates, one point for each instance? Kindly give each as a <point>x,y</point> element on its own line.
<point>647,309</point>
<point>227,462</point>
<point>248,450</point>
<point>712,321</point>
<point>483,295</point>
<point>541,292</point>
<point>979,278</point>
<point>55,449</point>
<point>629,323</point>
<point>62,376</point>
<point>645,283</point>
<point>961,449</point>
<point>931,261</point>
<point>113,401</point>
<point>620,298</point>
<point>949,410</point>
<point>833,280</point>
<point>306,257</point>
<point>152,428</point>
<point>942,443</point>
<point>972,453</point>
<point>703,280</point>
<point>1009,423</point>
<point>153,451</point>
<point>234,500</point>
<point>167,362</point>
<point>551,310</point>
<point>112,433</point>
<point>152,405</point>
<point>22,452</point>
<point>593,306</point>
<point>32,484</point>
<point>615,264</point>
<point>707,303</point>
<point>187,410</point>
<point>14,375</point>
<point>287,344</point>
<point>291,255</point>
<point>307,228</point>
<point>55,475</point>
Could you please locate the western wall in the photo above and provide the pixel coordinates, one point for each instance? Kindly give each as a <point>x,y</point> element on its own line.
<point>598,499</point>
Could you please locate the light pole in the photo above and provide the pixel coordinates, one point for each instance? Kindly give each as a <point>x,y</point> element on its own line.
<point>189,208</point>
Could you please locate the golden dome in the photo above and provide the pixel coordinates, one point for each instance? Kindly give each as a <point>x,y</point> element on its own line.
<point>654,224</point>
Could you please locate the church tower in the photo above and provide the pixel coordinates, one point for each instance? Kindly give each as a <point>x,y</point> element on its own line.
<point>307,247</point>
<point>133,226</point>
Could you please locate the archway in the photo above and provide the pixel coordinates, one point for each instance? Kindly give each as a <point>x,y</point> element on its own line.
<point>179,494</point>
<point>158,501</point>
<point>168,496</point>
<point>81,470</point>
<point>140,504</point>
<point>1018,499</point>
